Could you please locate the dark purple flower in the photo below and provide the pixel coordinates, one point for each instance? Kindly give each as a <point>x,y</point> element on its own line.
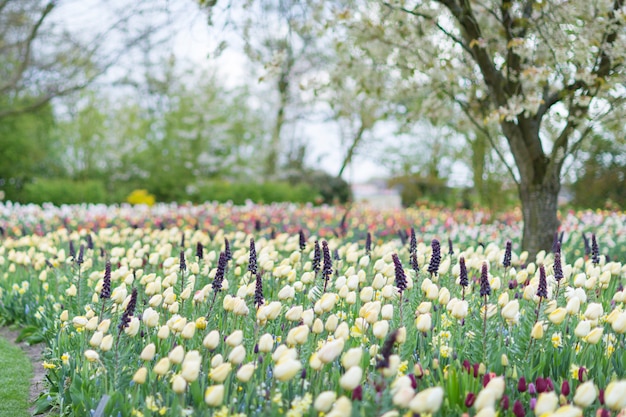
<point>368,243</point>
<point>400,275</point>
<point>507,255</point>
<point>357,393</point>
<point>542,289</point>
<point>541,384</point>
<point>182,263</point>
<point>219,275</point>
<point>106,282</point>
<point>558,267</point>
<point>504,402</point>
<point>317,257</point>
<point>129,311</point>
<point>252,266</point>
<point>532,389</point>
<point>327,268</point>
<point>518,409</point>
<point>486,379</point>
<point>469,399</point>
<point>227,251</point>
<point>81,254</point>
<point>435,258</point>
<point>413,380</point>
<point>485,288</point>
<point>413,242</point>
<point>521,385</point>
<point>463,280</point>
<point>258,291</point>
<point>467,366</point>
<point>199,251</point>
<point>565,389</point>
<point>387,350</point>
<point>301,240</point>
<point>595,251</point>
<point>414,264</point>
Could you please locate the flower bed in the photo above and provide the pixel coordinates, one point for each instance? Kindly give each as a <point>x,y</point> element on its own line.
<point>296,310</point>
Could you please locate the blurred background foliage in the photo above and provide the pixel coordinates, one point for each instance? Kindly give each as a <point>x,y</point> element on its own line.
<point>100,120</point>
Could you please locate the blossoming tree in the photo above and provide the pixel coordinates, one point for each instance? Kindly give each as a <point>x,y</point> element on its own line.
<point>545,74</point>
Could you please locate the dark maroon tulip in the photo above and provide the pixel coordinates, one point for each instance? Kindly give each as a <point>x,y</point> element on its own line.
<point>469,399</point>
<point>521,385</point>
<point>357,393</point>
<point>504,403</point>
<point>518,409</point>
<point>565,389</point>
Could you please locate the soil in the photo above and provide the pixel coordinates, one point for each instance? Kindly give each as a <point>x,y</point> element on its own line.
<point>34,353</point>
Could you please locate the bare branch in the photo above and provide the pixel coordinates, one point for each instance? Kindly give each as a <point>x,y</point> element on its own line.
<point>466,110</point>
<point>28,43</point>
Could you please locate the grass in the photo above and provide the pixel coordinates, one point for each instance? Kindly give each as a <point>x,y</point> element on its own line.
<point>15,374</point>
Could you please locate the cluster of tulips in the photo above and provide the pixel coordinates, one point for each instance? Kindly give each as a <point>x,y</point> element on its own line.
<point>181,319</point>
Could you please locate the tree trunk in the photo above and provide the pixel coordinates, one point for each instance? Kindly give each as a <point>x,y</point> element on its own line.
<point>539,209</point>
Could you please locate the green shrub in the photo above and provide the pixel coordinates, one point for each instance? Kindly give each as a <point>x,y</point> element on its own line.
<point>329,188</point>
<point>62,191</point>
<point>238,193</point>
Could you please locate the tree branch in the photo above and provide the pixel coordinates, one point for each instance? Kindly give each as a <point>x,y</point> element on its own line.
<point>19,72</point>
<point>465,108</point>
<point>471,31</point>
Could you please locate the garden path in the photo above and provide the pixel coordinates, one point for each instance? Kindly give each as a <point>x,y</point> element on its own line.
<point>34,354</point>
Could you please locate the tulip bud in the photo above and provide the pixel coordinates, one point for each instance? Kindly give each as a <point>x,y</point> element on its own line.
<point>91,355</point>
<point>245,372</point>
<point>352,378</point>
<point>147,354</point>
<point>286,369</point>
<point>162,366</point>
<point>235,338</point>
<point>352,357</point>
<point>237,355</point>
<point>107,343</point>
<point>546,403</point>
<point>220,372</point>
<point>179,385</point>
<point>266,343</point>
<point>164,332</point>
<point>96,339</point>
<point>427,401</point>
<point>140,375</point>
<point>214,395</point>
<point>324,401</point>
<point>188,331</point>
<point>585,394</point>
<point>537,331</point>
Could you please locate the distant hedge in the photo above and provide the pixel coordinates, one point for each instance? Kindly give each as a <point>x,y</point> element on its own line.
<point>269,192</point>
<point>63,191</point>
